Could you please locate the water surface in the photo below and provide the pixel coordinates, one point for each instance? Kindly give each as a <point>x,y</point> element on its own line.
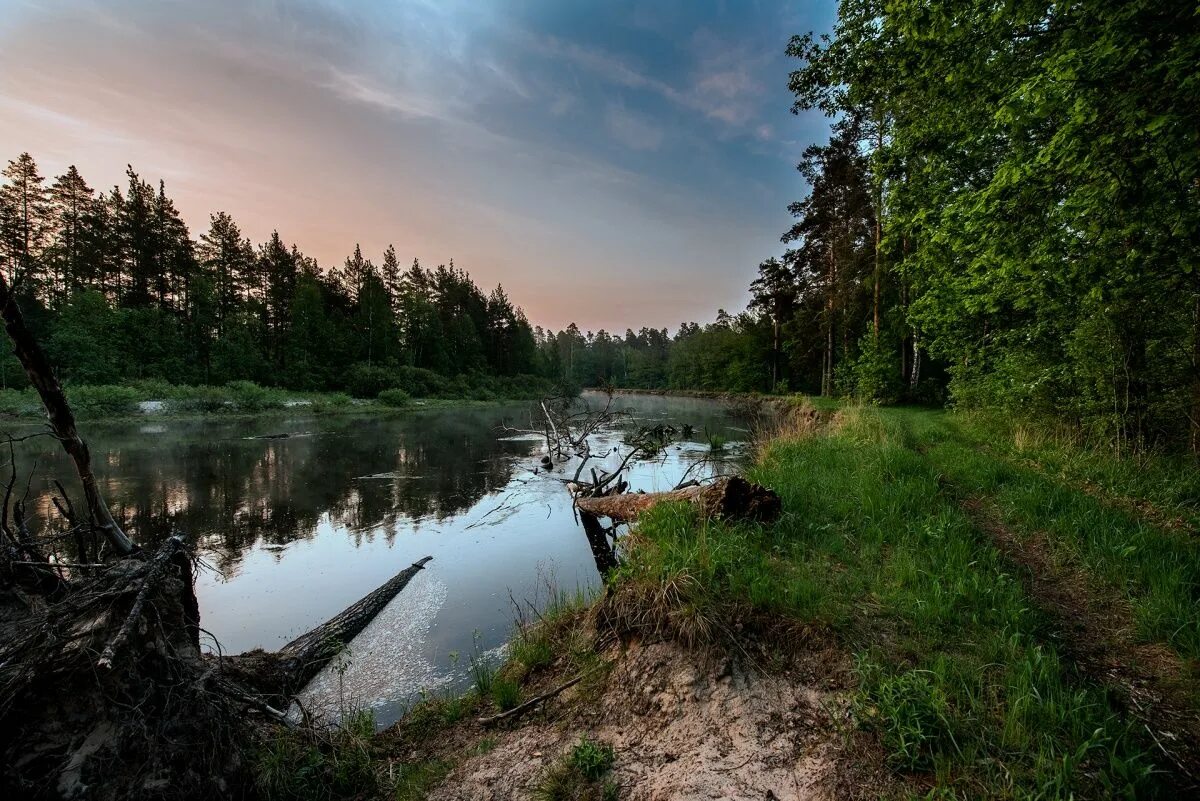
<point>295,528</point>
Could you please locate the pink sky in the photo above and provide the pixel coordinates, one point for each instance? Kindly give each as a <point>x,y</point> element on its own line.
<point>598,187</point>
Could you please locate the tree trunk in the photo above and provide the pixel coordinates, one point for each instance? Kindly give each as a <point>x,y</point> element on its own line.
<point>729,498</point>
<point>303,657</point>
<point>62,420</point>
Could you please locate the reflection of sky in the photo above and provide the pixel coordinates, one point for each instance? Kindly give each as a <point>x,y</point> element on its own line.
<point>512,543</point>
<point>299,528</point>
<point>565,149</point>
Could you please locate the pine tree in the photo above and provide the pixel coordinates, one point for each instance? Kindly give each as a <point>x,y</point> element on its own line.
<point>71,200</point>
<point>25,224</point>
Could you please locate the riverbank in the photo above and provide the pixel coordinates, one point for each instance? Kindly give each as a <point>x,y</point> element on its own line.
<point>950,606</point>
<point>240,399</point>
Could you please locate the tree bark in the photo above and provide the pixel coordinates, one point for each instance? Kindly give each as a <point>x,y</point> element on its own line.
<point>729,498</point>
<point>62,420</point>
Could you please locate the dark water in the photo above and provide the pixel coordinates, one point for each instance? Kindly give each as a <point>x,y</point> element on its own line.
<point>297,528</point>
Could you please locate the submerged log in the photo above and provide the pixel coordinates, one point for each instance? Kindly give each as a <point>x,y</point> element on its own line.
<point>304,656</point>
<point>727,498</point>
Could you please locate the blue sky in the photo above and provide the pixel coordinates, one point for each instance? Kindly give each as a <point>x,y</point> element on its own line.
<point>617,163</point>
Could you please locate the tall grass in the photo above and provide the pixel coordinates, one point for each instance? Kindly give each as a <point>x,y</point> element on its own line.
<point>953,668</point>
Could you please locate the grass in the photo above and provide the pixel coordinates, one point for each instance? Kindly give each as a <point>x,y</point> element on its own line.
<point>956,673</point>
<point>579,775</point>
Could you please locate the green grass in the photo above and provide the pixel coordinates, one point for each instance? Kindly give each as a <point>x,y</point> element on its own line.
<point>1156,569</point>
<point>579,775</point>
<point>320,765</point>
<point>955,671</point>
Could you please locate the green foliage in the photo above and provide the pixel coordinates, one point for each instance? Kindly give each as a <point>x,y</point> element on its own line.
<point>396,398</point>
<point>102,401</point>
<point>367,381</point>
<point>322,766</point>
<point>506,693</point>
<point>577,776</point>
<point>250,397</point>
<point>591,758</point>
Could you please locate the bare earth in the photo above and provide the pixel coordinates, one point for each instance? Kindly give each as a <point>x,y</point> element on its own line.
<point>680,732</point>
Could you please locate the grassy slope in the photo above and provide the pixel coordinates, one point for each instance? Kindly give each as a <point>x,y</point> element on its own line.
<point>959,669</point>
<point>907,535</point>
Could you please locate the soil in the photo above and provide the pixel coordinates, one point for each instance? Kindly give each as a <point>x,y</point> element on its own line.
<point>689,727</point>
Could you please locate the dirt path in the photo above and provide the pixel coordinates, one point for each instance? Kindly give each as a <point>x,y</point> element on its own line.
<point>1095,630</point>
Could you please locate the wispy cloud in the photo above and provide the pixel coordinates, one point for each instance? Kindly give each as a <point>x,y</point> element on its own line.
<point>632,130</point>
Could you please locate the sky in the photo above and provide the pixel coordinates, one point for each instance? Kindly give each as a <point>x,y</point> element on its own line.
<point>616,164</point>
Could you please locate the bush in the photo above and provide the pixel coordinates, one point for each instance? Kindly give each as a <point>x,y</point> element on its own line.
<point>250,397</point>
<point>14,402</point>
<point>397,398</point>
<point>330,401</point>
<point>419,382</point>
<point>201,399</point>
<point>367,380</point>
<point>102,401</point>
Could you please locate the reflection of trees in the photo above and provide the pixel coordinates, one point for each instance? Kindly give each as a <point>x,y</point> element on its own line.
<point>231,492</point>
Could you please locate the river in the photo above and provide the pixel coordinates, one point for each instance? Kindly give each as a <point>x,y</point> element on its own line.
<point>294,528</point>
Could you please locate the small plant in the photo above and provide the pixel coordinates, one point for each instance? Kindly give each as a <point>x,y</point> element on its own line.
<point>482,674</point>
<point>591,758</point>
<point>716,442</point>
<point>576,776</point>
<point>506,693</point>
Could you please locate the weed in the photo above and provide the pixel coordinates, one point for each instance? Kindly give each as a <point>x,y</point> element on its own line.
<point>506,693</point>
<point>592,759</point>
<point>576,776</point>
<point>412,782</point>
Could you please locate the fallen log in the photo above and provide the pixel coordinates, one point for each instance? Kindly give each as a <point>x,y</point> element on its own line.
<point>727,498</point>
<point>304,656</point>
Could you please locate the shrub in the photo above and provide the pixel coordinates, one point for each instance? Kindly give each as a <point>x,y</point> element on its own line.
<point>250,397</point>
<point>397,398</point>
<point>506,693</point>
<point>201,399</point>
<point>419,382</point>
<point>368,380</point>
<point>14,402</point>
<point>153,388</point>
<point>330,401</point>
<point>102,401</point>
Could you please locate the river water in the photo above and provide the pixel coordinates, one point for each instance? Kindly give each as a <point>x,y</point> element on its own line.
<point>295,528</point>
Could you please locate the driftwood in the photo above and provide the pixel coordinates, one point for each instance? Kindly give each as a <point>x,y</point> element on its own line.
<point>303,657</point>
<point>728,498</point>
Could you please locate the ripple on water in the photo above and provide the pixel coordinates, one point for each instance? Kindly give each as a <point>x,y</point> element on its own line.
<point>387,663</point>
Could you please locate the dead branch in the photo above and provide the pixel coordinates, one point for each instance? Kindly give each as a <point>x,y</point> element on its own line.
<point>61,418</point>
<point>521,709</point>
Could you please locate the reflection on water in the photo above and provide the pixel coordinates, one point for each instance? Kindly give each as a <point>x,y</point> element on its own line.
<point>296,528</point>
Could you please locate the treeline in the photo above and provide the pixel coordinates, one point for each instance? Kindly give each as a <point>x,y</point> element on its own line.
<point>1008,209</point>
<point>118,290</point>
